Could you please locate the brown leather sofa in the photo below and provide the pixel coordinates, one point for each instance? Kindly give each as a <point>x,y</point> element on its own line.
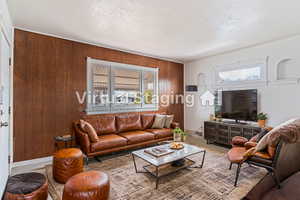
<point>288,167</point>
<point>119,132</point>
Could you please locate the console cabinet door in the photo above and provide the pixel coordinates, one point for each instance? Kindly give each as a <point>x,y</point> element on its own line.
<point>235,131</point>
<point>223,134</point>
<point>210,131</point>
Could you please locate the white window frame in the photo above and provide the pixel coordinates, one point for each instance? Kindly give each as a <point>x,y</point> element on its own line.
<point>116,108</point>
<point>262,63</point>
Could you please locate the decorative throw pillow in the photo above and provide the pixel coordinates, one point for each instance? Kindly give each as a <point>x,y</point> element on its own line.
<point>159,121</point>
<point>89,129</point>
<point>168,121</point>
<point>289,131</point>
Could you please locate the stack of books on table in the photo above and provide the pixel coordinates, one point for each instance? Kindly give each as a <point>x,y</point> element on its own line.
<point>159,151</point>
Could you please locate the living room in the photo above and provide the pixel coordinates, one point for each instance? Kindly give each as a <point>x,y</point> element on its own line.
<point>149,100</point>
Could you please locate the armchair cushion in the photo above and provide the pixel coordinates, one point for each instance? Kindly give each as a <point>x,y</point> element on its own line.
<point>236,154</point>
<point>239,141</point>
<point>271,150</point>
<point>250,145</point>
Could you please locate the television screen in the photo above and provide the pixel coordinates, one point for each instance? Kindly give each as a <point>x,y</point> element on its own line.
<point>237,105</point>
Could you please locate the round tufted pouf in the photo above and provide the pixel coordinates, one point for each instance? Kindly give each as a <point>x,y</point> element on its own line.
<point>67,163</point>
<point>91,185</point>
<point>29,186</point>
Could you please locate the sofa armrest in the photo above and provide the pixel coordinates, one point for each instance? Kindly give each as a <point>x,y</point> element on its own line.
<point>175,125</point>
<point>249,145</point>
<point>238,141</point>
<point>82,139</point>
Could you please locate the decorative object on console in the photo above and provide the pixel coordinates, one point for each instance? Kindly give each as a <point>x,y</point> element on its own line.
<point>191,88</point>
<point>261,119</point>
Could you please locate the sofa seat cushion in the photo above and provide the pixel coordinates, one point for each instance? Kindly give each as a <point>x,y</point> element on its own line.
<point>236,154</point>
<point>161,133</point>
<point>135,137</point>
<point>107,142</point>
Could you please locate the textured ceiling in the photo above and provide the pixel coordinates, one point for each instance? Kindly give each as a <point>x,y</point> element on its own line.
<point>175,29</point>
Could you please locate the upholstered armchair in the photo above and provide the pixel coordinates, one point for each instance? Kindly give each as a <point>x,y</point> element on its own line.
<point>266,159</point>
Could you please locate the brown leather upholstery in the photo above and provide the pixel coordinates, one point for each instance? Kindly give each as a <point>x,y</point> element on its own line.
<point>175,125</point>
<point>103,125</point>
<point>287,169</point>
<point>91,185</point>
<point>128,122</point>
<point>263,155</point>
<point>67,163</point>
<point>235,155</point>
<point>134,137</point>
<point>161,133</point>
<point>108,141</point>
<point>147,120</point>
<point>129,126</point>
<point>250,145</point>
<point>238,141</point>
<point>29,186</point>
<point>82,138</point>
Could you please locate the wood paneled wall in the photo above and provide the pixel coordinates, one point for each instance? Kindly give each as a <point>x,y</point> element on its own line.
<point>47,73</point>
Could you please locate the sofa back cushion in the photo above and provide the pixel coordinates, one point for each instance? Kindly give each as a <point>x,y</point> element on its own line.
<point>128,122</point>
<point>103,125</point>
<point>147,120</point>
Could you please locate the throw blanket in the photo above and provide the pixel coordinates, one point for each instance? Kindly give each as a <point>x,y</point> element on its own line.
<point>288,132</point>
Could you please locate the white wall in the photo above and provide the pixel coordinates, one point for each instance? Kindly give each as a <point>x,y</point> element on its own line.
<point>281,102</point>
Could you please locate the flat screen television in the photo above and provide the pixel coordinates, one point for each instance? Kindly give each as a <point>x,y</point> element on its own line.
<point>238,105</point>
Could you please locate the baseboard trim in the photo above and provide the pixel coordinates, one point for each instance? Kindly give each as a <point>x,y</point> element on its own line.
<point>33,161</point>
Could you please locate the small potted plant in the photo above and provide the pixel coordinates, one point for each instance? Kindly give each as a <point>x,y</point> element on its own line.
<point>183,136</point>
<point>179,135</point>
<point>261,119</point>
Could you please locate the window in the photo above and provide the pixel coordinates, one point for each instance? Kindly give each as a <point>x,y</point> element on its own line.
<point>246,74</point>
<point>116,87</point>
<point>241,73</point>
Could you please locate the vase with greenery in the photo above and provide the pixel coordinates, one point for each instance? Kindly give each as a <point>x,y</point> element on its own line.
<point>261,119</point>
<point>179,135</point>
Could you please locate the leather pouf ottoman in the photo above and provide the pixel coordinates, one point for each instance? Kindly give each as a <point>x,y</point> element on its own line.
<point>29,186</point>
<point>91,185</point>
<point>67,163</point>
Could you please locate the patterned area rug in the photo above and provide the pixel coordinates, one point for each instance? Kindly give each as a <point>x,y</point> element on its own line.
<point>213,182</point>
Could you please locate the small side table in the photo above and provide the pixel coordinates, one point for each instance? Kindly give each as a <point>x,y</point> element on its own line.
<point>64,138</point>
